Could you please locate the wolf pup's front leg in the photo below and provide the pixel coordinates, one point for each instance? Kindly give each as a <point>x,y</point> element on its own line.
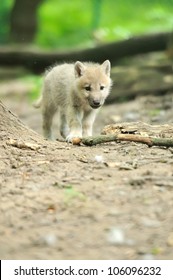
<point>74,123</point>
<point>87,123</point>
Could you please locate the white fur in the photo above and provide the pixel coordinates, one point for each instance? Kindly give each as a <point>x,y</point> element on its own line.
<point>76,90</point>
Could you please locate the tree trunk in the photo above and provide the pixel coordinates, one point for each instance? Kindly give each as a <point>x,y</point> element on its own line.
<point>24,21</point>
<point>38,61</point>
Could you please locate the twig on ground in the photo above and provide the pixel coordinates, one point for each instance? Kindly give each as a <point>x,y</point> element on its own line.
<point>23,145</point>
<point>150,141</point>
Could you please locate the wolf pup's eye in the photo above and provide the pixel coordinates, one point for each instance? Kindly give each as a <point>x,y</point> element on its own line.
<point>102,87</point>
<point>88,88</point>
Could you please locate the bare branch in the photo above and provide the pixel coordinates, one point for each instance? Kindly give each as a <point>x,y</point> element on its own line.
<point>150,141</point>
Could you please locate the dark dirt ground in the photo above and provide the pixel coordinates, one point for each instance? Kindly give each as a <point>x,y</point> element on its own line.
<point>111,201</point>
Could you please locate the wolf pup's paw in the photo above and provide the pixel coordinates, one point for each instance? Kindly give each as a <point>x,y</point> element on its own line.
<point>71,137</point>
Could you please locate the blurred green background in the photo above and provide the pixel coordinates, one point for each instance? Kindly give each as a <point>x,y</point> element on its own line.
<point>63,24</point>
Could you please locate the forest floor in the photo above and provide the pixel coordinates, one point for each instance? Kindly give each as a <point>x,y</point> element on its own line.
<point>111,201</point>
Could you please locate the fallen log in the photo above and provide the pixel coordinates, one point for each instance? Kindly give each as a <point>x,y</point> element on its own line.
<point>131,81</point>
<point>37,61</point>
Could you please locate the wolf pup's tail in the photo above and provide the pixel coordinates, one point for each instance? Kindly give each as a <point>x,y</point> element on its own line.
<point>37,103</point>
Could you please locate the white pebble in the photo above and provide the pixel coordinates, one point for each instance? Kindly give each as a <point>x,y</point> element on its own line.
<point>99,159</point>
<point>148,257</point>
<point>49,239</point>
<point>116,236</point>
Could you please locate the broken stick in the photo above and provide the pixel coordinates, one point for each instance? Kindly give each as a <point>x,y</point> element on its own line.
<point>23,145</point>
<point>148,140</point>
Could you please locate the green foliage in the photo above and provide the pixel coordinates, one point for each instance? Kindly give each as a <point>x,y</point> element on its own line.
<point>134,17</point>
<point>66,24</point>
<point>71,194</point>
<point>82,23</point>
<point>96,13</point>
<point>154,113</point>
<point>5,7</point>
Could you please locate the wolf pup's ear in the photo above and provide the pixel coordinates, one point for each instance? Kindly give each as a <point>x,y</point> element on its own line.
<point>106,67</point>
<point>79,69</point>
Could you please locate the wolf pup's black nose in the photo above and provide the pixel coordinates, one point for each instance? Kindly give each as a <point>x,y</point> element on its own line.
<point>96,103</point>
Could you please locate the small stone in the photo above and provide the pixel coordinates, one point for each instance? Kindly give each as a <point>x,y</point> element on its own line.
<point>112,164</point>
<point>116,236</point>
<point>47,239</point>
<point>76,141</point>
<point>148,257</point>
<point>99,159</point>
<point>50,239</point>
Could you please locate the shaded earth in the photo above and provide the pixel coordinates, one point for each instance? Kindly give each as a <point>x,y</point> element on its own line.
<point>111,201</point>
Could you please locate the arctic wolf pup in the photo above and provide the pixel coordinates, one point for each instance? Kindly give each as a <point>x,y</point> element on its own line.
<point>77,91</point>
